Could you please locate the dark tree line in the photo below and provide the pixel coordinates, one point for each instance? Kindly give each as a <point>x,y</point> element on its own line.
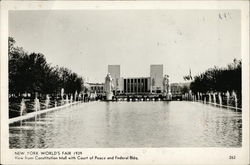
<point>30,73</point>
<point>219,79</point>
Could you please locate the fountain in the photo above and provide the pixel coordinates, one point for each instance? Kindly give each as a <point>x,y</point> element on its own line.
<point>205,100</point>
<point>67,99</point>
<point>235,99</point>
<point>214,98</point>
<point>209,98</point>
<point>47,102</point>
<point>71,98</point>
<point>190,95</point>
<point>22,107</point>
<point>95,95</point>
<point>75,95</point>
<point>62,93</point>
<point>36,104</point>
<point>228,96</point>
<point>55,103</point>
<point>220,99</point>
<point>79,96</point>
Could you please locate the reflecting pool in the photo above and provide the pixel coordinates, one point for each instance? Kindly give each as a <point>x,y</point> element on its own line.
<point>130,124</point>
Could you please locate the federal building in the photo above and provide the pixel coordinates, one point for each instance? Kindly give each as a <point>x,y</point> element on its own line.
<point>138,85</point>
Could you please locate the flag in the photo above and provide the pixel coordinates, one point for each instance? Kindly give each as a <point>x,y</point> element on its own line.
<point>188,77</point>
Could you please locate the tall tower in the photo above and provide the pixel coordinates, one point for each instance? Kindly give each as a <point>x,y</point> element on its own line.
<point>156,75</point>
<point>114,71</point>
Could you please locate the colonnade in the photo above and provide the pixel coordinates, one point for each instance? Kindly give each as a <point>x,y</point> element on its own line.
<point>136,85</point>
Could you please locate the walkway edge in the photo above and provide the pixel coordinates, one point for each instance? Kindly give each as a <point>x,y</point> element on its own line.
<point>33,114</point>
<point>224,106</point>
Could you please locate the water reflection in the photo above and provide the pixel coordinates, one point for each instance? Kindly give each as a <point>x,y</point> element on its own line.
<point>130,124</point>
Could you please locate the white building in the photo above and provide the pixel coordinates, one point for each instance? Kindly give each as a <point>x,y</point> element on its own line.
<point>137,85</point>
<point>156,75</point>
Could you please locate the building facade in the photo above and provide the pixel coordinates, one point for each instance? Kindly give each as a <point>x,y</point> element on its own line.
<point>137,85</point>
<point>97,88</point>
<point>156,75</point>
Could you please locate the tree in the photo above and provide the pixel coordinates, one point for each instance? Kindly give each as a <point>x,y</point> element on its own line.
<point>16,62</point>
<point>32,74</point>
<point>219,79</point>
<point>185,89</point>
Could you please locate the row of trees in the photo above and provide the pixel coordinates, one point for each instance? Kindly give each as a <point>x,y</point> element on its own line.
<point>30,73</point>
<point>219,79</point>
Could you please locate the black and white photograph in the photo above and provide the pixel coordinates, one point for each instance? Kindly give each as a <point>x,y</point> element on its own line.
<point>125,78</point>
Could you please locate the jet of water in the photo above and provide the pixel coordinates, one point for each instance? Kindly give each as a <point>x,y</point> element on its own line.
<point>36,104</point>
<point>209,97</point>
<point>220,99</point>
<point>71,98</point>
<point>67,99</point>
<point>228,96</point>
<point>235,99</point>
<point>22,107</point>
<point>47,102</point>
<point>214,98</point>
<point>75,95</point>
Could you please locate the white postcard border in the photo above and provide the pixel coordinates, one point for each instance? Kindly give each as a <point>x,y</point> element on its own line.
<point>146,155</point>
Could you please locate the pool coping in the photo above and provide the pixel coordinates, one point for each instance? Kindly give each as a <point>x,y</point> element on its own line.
<point>33,114</point>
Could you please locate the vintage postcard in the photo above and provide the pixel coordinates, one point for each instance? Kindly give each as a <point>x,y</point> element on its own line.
<point>125,82</point>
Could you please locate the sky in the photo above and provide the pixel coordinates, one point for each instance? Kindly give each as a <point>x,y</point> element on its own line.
<point>87,41</point>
